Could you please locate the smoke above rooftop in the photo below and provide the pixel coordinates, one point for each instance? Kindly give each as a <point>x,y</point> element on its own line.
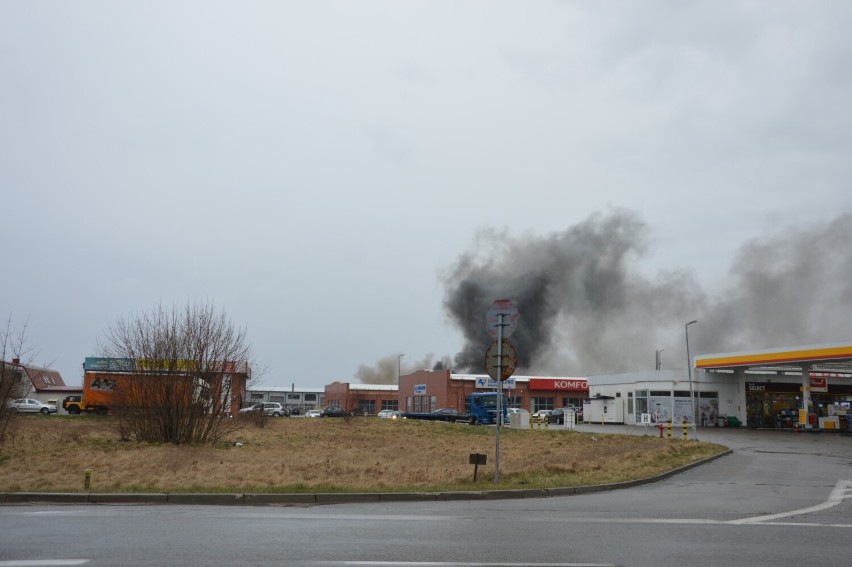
<point>586,308</point>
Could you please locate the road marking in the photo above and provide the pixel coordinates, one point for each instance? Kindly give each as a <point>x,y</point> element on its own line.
<point>456,564</point>
<point>842,490</point>
<point>43,562</point>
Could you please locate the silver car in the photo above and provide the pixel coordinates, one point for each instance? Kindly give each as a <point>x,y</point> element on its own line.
<point>29,405</point>
<point>267,408</point>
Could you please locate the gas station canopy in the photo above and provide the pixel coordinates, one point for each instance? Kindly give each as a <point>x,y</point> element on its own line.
<point>830,358</point>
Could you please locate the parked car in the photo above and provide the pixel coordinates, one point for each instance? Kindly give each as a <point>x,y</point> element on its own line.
<point>390,414</point>
<point>334,411</point>
<point>449,412</point>
<point>313,413</point>
<point>385,413</point>
<point>556,416</point>
<point>29,405</point>
<point>540,414</point>
<point>267,408</point>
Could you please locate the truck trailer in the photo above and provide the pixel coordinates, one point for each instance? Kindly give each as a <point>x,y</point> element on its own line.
<point>482,410</point>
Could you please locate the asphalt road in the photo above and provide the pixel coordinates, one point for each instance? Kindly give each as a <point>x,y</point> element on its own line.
<point>778,499</point>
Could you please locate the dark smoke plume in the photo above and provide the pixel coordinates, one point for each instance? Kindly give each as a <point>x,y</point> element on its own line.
<point>585,309</point>
<point>386,369</point>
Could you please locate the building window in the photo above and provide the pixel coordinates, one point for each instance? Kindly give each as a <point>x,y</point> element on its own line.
<point>279,399</point>
<point>541,404</point>
<point>641,404</point>
<point>310,397</point>
<point>256,396</point>
<point>421,404</point>
<point>572,402</point>
<point>294,397</point>
<point>367,407</point>
<point>515,401</point>
<point>392,405</point>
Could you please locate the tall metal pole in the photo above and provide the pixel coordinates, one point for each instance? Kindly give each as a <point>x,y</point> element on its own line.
<point>499,398</point>
<point>659,359</point>
<point>398,376</point>
<point>689,371</point>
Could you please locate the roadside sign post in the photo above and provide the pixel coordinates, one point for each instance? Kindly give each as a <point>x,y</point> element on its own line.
<point>501,320</point>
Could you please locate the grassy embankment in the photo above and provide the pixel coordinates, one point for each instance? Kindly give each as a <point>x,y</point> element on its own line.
<point>51,454</point>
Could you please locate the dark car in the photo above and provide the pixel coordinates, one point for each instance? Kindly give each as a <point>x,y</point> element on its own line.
<point>445,414</point>
<point>334,411</point>
<point>556,416</point>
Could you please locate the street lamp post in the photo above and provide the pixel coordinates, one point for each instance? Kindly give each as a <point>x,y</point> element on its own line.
<point>659,359</point>
<point>398,375</point>
<point>689,371</point>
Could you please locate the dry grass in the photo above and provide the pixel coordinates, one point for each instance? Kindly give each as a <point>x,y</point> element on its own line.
<point>48,454</point>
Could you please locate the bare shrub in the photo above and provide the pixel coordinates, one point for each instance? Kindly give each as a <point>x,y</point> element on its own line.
<point>187,360</point>
<point>12,344</point>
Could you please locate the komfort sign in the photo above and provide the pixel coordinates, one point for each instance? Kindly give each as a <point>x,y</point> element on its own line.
<point>561,384</point>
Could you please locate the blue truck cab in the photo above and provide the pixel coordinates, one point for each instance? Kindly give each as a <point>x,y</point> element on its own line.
<point>483,408</point>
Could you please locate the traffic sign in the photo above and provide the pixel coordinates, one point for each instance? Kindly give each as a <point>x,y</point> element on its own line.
<point>501,313</point>
<point>510,360</point>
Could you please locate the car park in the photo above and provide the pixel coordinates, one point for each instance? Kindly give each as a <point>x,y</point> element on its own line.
<point>29,405</point>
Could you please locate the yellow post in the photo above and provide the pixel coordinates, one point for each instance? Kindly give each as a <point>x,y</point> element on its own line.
<point>685,433</point>
<point>87,480</point>
<point>546,421</point>
<point>669,427</point>
<point>532,421</point>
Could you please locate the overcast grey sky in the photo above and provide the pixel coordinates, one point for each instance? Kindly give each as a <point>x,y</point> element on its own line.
<point>318,168</point>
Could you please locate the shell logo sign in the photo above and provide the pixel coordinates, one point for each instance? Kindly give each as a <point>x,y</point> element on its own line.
<point>561,384</point>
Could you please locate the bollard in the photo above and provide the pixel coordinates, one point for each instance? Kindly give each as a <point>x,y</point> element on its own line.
<point>669,426</point>
<point>685,433</point>
<point>546,422</point>
<point>532,420</point>
<point>87,480</point>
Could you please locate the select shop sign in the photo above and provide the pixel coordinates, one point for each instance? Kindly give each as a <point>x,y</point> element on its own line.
<point>560,384</point>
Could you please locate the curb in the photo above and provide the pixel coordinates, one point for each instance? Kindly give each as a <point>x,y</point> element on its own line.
<point>307,499</point>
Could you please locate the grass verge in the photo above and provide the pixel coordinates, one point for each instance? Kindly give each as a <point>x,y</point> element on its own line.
<point>304,455</point>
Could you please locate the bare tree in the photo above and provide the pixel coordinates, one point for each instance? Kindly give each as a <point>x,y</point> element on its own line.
<point>191,366</point>
<point>12,383</point>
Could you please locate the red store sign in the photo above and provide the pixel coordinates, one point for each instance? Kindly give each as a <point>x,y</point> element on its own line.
<point>561,384</point>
